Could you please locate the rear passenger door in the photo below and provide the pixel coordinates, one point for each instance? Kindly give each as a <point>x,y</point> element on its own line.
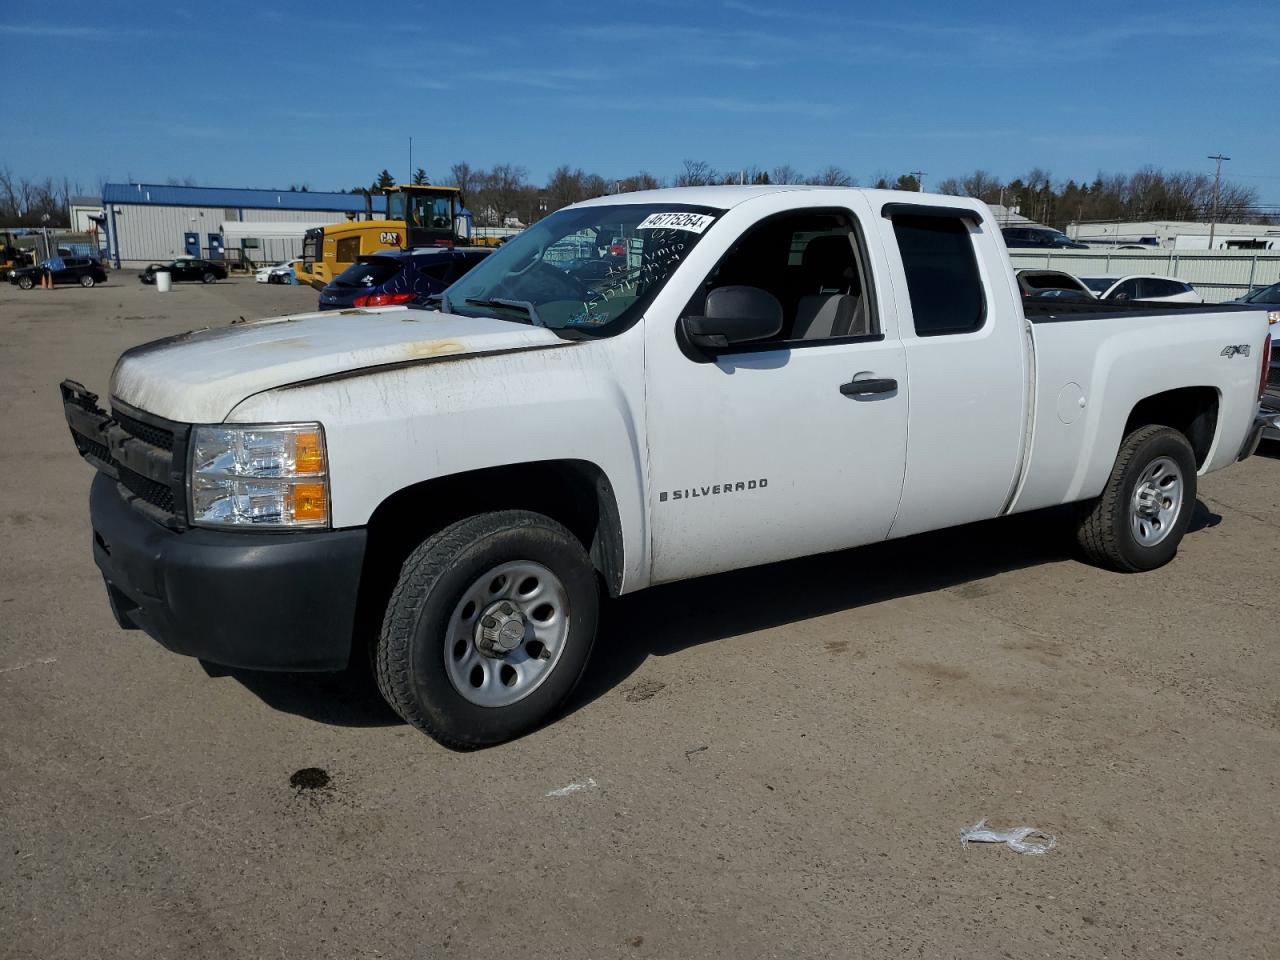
<point>768,450</point>
<point>963,332</point>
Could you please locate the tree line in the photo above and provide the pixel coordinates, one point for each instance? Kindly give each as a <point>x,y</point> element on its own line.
<point>504,191</point>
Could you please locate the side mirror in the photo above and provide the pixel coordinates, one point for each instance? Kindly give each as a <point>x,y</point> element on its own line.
<point>734,314</point>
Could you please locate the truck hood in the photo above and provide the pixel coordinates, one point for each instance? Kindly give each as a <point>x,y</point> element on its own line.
<point>199,377</point>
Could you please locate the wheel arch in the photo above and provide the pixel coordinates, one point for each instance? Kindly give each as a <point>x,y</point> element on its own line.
<point>576,493</point>
<point>1192,411</point>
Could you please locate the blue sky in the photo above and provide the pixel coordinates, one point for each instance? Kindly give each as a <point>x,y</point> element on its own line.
<point>261,94</point>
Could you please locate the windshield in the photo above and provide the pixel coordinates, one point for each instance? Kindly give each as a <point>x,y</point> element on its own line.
<point>1269,294</point>
<point>368,273</point>
<point>1098,284</point>
<point>590,270</point>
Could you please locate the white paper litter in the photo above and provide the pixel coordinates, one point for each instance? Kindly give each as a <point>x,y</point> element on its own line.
<point>572,788</point>
<point>1015,838</point>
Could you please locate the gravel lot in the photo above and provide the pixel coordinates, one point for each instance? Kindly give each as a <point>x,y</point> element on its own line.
<point>776,762</point>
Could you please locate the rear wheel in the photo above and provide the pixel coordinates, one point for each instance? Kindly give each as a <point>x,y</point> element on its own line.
<point>489,628</point>
<point>1145,508</point>
<point>209,277</point>
<point>26,283</point>
<point>87,281</point>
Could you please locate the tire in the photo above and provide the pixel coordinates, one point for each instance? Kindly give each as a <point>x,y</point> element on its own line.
<point>209,277</point>
<point>87,281</point>
<point>430,648</point>
<point>1133,526</point>
<point>26,283</point>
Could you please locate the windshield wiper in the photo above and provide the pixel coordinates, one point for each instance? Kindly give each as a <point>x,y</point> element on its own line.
<point>525,305</point>
<point>441,299</point>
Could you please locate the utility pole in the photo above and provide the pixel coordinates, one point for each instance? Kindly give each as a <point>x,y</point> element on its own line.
<point>410,178</point>
<point>1217,184</point>
<point>919,175</point>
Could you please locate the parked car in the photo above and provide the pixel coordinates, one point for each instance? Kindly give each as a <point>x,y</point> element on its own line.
<point>1041,237</point>
<point>1269,297</point>
<point>283,272</point>
<point>1127,287</point>
<point>784,371</point>
<point>82,270</point>
<point>396,277</point>
<point>186,268</point>
<point>1053,285</point>
<point>1260,295</point>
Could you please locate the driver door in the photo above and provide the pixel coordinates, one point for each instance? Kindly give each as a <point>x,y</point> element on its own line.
<point>765,450</point>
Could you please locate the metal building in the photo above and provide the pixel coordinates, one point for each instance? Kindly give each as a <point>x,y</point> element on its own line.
<point>147,221</point>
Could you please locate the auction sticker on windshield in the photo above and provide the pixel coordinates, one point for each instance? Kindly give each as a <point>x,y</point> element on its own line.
<point>693,222</point>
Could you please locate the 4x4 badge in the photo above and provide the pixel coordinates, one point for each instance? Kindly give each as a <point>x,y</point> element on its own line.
<point>1232,349</point>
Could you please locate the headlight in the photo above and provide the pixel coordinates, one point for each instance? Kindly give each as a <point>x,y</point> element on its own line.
<point>1273,316</point>
<point>267,475</point>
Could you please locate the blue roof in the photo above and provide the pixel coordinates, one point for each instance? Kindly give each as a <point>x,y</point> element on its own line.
<point>155,194</point>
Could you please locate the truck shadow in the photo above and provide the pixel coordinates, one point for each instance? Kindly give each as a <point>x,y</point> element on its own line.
<point>667,619</point>
<point>347,699</point>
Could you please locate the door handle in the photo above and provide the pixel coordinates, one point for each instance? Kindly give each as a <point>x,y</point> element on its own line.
<point>857,388</point>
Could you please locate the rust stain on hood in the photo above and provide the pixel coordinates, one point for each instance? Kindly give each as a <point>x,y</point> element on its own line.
<point>433,348</point>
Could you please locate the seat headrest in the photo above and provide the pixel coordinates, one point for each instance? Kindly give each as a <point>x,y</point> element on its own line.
<point>828,261</point>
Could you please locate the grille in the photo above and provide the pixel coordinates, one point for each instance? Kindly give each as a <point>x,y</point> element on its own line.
<point>1273,375</point>
<point>93,448</point>
<point>156,436</point>
<point>157,494</point>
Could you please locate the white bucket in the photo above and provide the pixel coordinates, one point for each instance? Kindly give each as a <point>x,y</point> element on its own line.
<point>164,280</point>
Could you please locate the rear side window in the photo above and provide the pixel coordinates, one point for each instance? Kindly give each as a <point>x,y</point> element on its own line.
<point>942,275</point>
<point>441,270</point>
<point>371,272</point>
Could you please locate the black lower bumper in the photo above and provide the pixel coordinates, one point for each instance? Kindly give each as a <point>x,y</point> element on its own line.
<point>261,601</point>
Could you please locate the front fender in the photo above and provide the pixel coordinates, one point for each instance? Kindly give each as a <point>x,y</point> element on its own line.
<point>391,428</point>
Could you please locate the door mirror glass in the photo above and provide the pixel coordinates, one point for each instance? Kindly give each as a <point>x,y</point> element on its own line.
<point>735,314</point>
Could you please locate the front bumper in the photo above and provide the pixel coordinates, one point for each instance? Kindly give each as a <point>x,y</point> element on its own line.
<point>260,601</point>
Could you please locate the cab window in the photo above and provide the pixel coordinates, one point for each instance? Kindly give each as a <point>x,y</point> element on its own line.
<point>347,249</point>
<point>812,263</point>
<point>942,274</point>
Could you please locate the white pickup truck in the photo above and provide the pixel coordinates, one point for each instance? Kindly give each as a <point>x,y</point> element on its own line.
<point>636,389</point>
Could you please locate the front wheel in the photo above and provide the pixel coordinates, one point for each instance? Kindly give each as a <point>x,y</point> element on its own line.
<point>26,283</point>
<point>1146,506</point>
<point>87,281</point>
<point>209,277</point>
<point>489,628</point>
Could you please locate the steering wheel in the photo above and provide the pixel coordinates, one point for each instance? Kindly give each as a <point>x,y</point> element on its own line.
<point>541,282</point>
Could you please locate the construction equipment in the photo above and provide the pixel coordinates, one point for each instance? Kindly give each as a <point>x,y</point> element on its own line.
<point>418,215</point>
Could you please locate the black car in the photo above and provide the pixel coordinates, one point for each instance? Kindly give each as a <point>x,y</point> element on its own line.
<point>188,268</point>
<point>82,270</point>
<point>1262,295</point>
<point>396,277</point>
<point>1039,237</point>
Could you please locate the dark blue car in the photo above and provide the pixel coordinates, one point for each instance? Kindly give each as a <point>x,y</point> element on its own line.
<point>398,277</point>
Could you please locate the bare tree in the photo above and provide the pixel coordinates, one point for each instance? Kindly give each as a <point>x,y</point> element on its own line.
<point>640,181</point>
<point>785,173</point>
<point>462,177</point>
<point>499,192</point>
<point>832,176</point>
<point>982,185</point>
<point>697,173</point>
<point>564,187</point>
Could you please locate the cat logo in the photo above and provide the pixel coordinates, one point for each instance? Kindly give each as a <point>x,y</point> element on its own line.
<point>389,236</point>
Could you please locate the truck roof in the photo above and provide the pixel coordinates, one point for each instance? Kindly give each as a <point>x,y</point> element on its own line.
<point>723,197</point>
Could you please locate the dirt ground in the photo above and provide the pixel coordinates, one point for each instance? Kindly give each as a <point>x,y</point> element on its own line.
<point>771,763</point>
